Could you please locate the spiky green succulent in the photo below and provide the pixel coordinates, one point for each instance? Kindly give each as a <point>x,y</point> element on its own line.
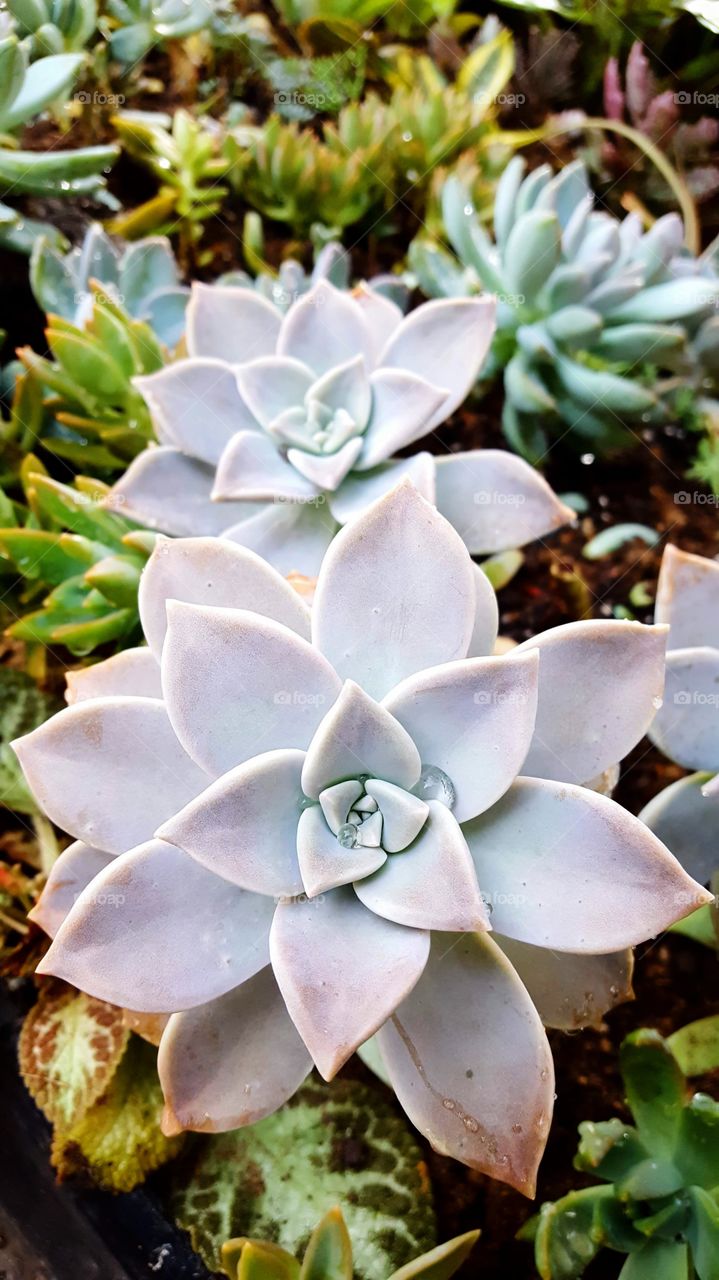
<point>26,91</point>
<point>93,415</point>
<point>659,1198</point>
<point>142,277</point>
<point>54,26</point>
<point>596,318</point>
<point>79,561</point>
<point>328,1256</point>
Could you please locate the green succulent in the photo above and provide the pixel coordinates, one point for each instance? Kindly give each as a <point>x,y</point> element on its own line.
<point>93,415</point>
<point>659,1198</point>
<point>142,277</point>
<point>134,26</point>
<point>595,319</point>
<point>26,91</point>
<point>79,561</point>
<point>328,1256</point>
<point>184,154</point>
<point>54,26</point>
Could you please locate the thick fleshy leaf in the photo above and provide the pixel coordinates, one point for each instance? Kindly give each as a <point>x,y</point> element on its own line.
<point>133,673</point>
<point>361,489</point>
<point>162,489</point>
<point>157,933</point>
<point>346,388</point>
<point>337,800</point>
<point>213,572</point>
<point>342,971</point>
<point>237,685</point>
<point>496,501</point>
<point>324,328</point>
<point>686,727</point>
<point>403,814</point>
<point>474,720</point>
<point>395,594</point>
<point>486,619</point>
<point>688,599</point>
<point>196,407</point>
<point>271,385</point>
<point>358,736</point>
<point>469,1061</point>
<point>599,686</point>
<point>563,867</point>
<point>230,324</point>
<point>109,770</point>
<point>244,826</point>
<point>69,875</point>
<point>571,991</point>
<point>233,1061</point>
<point>252,470</point>
<point>446,342</point>
<point>402,406</point>
<point>291,536</point>
<point>686,821</point>
<point>326,471</point>
<point>382,317</point>
<point>324,863</point>
<point>430,885</point>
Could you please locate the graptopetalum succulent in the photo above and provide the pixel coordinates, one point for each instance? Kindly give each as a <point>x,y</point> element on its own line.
<point>279,429</point>
<point>590,308</point>
<point>686,728</point>
<point>306,827</point>
<point>659,1202</point>
<point>328,1256</point>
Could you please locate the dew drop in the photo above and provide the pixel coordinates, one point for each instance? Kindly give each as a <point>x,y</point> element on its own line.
<point>448,1104</point>
<point>347,835</point>
<point>434,784</point>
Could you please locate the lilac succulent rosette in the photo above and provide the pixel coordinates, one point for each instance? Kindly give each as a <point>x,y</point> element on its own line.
<point>686,728</point>
<point>299,832</point>
<point>279,429</point>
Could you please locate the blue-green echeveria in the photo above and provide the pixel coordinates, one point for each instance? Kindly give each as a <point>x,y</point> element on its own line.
<point>309,826</point>
<point>686,728</point>
<point>278,429</point>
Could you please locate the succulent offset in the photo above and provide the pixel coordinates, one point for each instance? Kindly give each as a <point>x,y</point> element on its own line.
<point>290,844</point>
<point>659,1198</point>
<point>142,277</point>
<point>592,311</point>
<point>278,429</point>
<point>686,728</point>
<point>54,26</point>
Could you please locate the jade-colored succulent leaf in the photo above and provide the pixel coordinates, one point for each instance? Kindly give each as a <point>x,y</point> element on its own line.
<point>703,1232</point>
<point>696,1046</point>
<point>46,557</point>
<point>697,1147</point>
<point>329,1253</point>
<point>610,540</point>
<point>70,1047</point>
<point>442,1262</point>
<point>338,1143</point>
<point>22,708</point>
<point>118,1141</point>
<point>657,1260</point>
<point>609,1148</point>
<point>564,1240</point>
<point>257,1260</point>
<point>655,1089</point>
<point>44,81</point>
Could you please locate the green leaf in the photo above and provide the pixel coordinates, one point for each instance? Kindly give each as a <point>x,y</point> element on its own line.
<point>22,708</point>
<point>329,1252</point>
<point>697,1149</point>
<point>42,556</point>
<point>564,1243</point>
<point>610,540</point>
<point>699,926</point>
<point>118,1141</point>
<point>70,1046</point>
<point>489,68</point>
<point>44,80</point>
<point>339,1143</point>
<point>442,1262</point>
<point>703,1233</point>
<point>657,1260</point>
<point>696,1046</point>
<point>608,1148</point>
<point>258,1260</point>
<point>655,1088</point>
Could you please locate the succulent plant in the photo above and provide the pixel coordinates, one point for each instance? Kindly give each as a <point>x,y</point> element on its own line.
<point>136,25</point>
<point>278,825</point>
<point>328,1256</point>
<point>658,114</point>
<point>658,1201</point>
<point>143,278</point>
<point>184,154</point>
<point>277,430</point>
<point>590,309</point>
<point>80,564</point>
<point>686,728</point>
<point>95,415</point>
<point>54,26</point>
<point>25,91</point>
